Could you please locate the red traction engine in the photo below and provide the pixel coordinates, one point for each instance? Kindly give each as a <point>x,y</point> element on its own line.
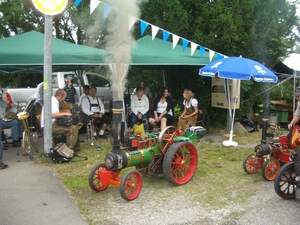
<point>272,152</point>
<point>167,153</point>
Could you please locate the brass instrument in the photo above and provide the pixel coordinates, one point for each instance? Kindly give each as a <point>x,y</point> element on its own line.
<point>26,134</point>
<point>9,116</point>
<point>90,131</point>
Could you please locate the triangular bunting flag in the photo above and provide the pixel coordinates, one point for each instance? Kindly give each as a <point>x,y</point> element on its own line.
<point>219,56</point>
<point>154,29</point>
<point>211,55</point>
<point>166,35</point>
<point>93,5</point>
<point>131,21</point>
<point>175,39</point>
<point>202,50</point>
<point>193,48</point>
<point>107,9</point>
<point>144,26</point>
<point>184,44</point>
<point>77,2</point>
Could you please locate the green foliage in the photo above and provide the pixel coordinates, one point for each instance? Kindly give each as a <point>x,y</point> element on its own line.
<point>261,30</point>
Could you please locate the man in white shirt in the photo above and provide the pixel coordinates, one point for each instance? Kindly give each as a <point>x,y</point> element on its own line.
<point>93,107</point>
<point>72,131</point>
<point>85,90</point>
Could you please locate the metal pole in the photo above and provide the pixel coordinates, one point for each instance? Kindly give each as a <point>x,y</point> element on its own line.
<point>47,84</point>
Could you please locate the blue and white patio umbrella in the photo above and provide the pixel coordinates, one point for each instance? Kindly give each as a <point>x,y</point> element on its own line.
<point>237,68</point>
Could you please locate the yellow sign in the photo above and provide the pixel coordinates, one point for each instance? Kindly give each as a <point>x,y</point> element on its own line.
<point>50,7</point>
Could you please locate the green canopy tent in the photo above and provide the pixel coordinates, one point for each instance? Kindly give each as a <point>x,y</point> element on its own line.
<point>157,54</point>
<point>25,53</point>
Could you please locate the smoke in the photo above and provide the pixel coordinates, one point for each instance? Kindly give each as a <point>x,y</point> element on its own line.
<point>119,43</point>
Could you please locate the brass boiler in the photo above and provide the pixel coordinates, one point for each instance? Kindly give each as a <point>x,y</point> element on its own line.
<point>23,117</point>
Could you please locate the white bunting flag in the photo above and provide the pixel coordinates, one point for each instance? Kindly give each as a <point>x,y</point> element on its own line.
<point>193,48</point>
<point>175,39</point>
<point>154,29</point>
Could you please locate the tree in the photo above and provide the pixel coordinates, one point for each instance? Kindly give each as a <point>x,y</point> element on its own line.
<point>261,30</point>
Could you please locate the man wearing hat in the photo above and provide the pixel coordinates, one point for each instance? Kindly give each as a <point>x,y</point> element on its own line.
<point>16,125</point>
<point>297,112</point>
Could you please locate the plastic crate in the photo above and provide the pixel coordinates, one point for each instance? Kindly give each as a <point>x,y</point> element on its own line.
<point>283,115</point>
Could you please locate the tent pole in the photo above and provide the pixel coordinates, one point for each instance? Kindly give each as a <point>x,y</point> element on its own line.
<point>227,91</point>
<point>230,142</point>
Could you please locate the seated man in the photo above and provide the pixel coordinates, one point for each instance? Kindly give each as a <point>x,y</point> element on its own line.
<point>16,125</point>
<point>93,106</point>
<point>72,131</point>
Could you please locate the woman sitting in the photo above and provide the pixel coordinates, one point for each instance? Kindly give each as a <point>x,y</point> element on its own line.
<point>162,110</point>
<point>139,106</point>
<point>190,113</point>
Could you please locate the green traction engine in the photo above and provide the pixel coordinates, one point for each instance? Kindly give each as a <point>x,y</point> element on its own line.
<point>169,153</point>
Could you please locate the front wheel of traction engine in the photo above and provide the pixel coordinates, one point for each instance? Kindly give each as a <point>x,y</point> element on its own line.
<point>251,163</point>
<point>94,178</point>
<point>180,163</point>
<point>131,185</point>
<point>285,181</point>
<point>270,169</point>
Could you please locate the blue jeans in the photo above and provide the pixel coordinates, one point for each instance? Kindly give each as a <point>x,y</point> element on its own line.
<point>1,143</point>
<point>16,128</point>
<point>134,120</point>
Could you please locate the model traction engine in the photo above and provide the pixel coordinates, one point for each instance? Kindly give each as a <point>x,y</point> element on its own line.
<point>167,153</point>
<point>273,151</point>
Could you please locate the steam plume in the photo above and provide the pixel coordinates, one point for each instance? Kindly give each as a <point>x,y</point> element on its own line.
<point>119,43</point>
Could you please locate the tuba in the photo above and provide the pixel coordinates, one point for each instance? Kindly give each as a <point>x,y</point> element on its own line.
<point>26,134</point>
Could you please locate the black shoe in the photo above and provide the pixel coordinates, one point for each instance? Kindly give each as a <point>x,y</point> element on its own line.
<point>3,166</point>
<point>103,136</point>
<point>16,143</point>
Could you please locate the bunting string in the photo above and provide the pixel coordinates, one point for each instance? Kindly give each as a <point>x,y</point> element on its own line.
<point>154,30</point>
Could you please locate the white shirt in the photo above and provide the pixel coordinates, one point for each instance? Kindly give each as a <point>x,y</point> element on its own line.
<point>161,107</point>
<point>193,102</point>
<point>88,110</point>
<point>54,109</point>
<point>80,99</point>
<point>297,112</point>
<point>39,93</point>
<point>141,105</point>
<point>147,92</point>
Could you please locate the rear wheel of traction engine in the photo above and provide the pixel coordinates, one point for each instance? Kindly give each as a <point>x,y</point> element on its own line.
<point>166,137</point>
<point>131,185</point>
<point>26,143</point>
<point>180,163</point>
<point>284,183</point>
<point>251,163</point>
<point>270,169</point>
<point>94,179</point>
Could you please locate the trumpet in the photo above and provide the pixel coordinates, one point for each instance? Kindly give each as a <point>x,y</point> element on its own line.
<point>23,116</point>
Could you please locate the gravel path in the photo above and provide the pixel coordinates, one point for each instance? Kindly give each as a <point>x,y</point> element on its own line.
<point>151,208</point>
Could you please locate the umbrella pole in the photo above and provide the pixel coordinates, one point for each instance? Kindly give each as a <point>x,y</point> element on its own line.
<point>230,142</point>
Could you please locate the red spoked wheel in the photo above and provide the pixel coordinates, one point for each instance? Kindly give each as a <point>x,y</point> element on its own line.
<point>285,181</point>
<point>167,137</point>
<point>180,163</point>
<point>252,163</point>
<point>131,185</point>
<point>270,169</point>
<point>94,179</point>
